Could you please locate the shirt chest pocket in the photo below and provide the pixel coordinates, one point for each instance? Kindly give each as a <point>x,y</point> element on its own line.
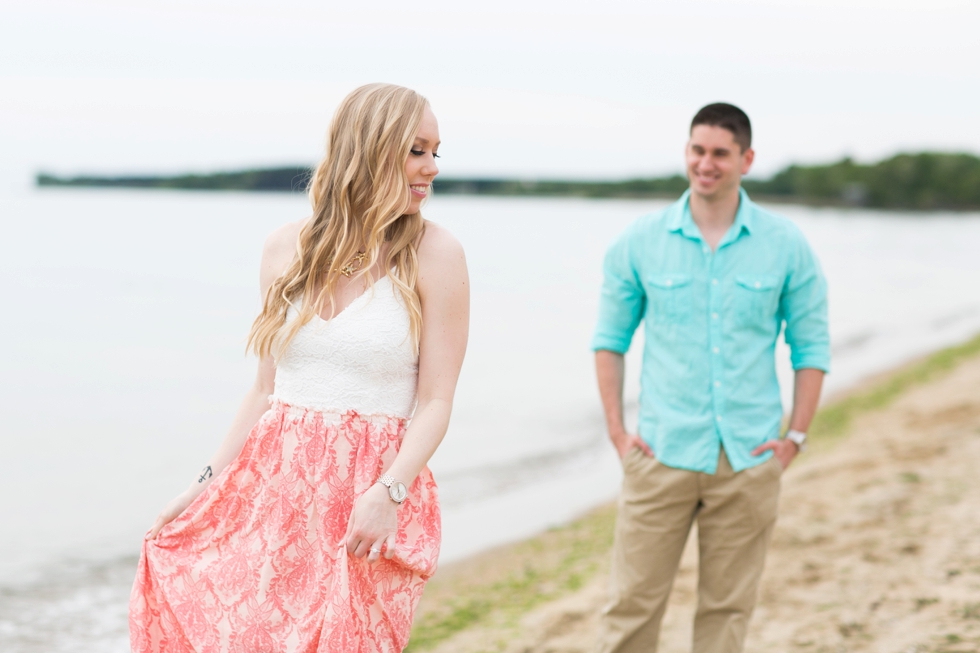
<point>756,298</point>
<point>671,298</point>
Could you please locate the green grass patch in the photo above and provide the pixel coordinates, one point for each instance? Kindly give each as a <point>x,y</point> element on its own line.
<point>924,602</point>
<point>971,611</point>
<point>544,568</point>
<point>834,420</point>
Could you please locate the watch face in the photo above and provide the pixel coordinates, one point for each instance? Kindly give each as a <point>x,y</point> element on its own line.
<point>398,491</point>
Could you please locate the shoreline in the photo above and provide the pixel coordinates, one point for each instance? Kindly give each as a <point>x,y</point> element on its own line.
<point>543,593</point>
<point>757,197</point>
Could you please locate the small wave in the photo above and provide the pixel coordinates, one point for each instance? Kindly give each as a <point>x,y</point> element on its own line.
<point>75,607</point>
<point>851,343</point>
<point>474,484</point>
<point>955,317</point>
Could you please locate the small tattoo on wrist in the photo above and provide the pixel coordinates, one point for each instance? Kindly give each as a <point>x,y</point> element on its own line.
<point>205,474</point>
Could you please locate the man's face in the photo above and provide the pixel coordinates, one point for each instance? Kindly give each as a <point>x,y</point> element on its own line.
<point>715,162</point>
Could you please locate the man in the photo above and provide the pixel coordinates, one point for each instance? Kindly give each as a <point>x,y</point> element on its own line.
<point>714,278</point>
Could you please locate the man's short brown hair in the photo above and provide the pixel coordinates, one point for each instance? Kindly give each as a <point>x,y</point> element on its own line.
<point>726,116</point>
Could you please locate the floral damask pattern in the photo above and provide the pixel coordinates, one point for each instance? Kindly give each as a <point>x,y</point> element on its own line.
<point>256,564</point>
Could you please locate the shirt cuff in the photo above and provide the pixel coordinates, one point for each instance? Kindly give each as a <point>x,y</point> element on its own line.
<point>812,361</point>
<point>610,343</point>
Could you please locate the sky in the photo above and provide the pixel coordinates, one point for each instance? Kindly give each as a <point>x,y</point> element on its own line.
<point>530,89</point>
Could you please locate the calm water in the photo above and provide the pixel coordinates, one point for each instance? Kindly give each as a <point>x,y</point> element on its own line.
<point>125,315</point>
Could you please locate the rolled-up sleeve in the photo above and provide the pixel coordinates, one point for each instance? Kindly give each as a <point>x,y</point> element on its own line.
<point>622,301</point>
<point>804,307</point>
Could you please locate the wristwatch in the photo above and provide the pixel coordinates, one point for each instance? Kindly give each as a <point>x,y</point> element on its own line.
<point>797,437</point>
<point>396,489</point>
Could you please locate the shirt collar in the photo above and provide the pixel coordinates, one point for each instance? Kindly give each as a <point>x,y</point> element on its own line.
<point>679,217</point>
<point>746,210</point>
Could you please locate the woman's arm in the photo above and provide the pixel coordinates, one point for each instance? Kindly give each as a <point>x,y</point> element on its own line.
<point>278,252</point>
<point>254,405</point>
<point>443,287</point>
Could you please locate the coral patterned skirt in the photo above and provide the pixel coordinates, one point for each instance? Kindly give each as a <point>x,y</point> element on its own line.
<point>257,563</point>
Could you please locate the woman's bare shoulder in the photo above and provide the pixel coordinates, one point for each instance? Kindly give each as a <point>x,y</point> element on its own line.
<point>441,257</point>
<point>280,250</point>
<point>437,242</point>
<point>282,241</point>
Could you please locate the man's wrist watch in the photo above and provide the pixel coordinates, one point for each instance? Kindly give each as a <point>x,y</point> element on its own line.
<point>396,489</point>
<point>797,437</point>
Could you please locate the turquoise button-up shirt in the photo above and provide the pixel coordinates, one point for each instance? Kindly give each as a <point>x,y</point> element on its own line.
<point>711,324</point>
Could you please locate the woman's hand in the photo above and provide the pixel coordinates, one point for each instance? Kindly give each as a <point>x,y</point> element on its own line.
<point>170,512</point>
<point>373,525</point>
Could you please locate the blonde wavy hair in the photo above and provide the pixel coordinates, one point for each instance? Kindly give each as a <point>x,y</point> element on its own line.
<point>359,193</point>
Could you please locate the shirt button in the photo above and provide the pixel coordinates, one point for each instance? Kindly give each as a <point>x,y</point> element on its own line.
<point>717,384</point>
<point>717,418</point>
<point>758,285</point>
<point>670,282</point>
<point>714,316</point>
<point>715,349</point>
<point>714,282</point>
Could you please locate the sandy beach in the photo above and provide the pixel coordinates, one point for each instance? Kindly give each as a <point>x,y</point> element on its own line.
<point>877,547</point>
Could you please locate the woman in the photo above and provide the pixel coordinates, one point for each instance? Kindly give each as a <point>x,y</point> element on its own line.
<point>316,523</point>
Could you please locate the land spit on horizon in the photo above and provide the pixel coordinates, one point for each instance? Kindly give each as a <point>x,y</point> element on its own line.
<point>925,181</point>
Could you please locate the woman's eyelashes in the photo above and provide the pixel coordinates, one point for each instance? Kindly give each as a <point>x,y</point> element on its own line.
<point>421,152</point>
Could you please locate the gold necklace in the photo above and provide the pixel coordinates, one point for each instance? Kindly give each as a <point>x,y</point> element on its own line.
<point>353,265</point>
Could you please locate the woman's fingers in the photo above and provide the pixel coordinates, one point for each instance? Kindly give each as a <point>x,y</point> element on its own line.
<point>361,549</point>
<point>372,523</point>
<point>169,513</point>
<point>353,543</point>
<point>157,526</point>
<point>375,552</point>
<point>357,542</point>
<point>350,529</point>
<point>361,543</point>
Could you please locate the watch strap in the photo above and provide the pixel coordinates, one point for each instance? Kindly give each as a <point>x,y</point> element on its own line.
<point>396,489</point>
<point>798,438</point>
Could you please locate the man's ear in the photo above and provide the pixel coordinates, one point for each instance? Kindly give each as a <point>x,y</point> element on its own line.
<point>747,158</point>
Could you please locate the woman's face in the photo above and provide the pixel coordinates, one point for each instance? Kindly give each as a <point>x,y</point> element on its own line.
<point>421,168</point>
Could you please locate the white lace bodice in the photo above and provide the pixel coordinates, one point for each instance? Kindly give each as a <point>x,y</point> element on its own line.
<point>362,359</point>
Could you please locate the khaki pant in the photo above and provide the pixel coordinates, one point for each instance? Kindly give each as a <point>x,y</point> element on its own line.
<point>736,513</point>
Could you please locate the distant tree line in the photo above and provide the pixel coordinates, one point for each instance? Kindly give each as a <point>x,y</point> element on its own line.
<point>674,185</point>
<point>924,181</point>
<point>293,178</point>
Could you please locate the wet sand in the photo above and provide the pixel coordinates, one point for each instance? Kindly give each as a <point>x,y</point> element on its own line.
<point>877,547</point>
